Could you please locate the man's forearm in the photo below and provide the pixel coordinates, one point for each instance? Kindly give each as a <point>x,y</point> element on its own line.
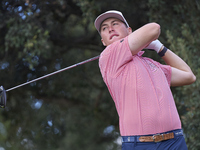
<point>141,37</point>
<point>175,61</point>
<point>181,72</point>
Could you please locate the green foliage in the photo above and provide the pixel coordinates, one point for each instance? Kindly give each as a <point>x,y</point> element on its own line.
<point>27,39</point>
<point>73,109</point>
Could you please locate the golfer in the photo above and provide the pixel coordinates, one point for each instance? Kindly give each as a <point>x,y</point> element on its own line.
<point>140,86</point>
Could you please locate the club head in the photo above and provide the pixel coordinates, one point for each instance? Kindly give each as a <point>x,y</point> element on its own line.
<point>2,97</point>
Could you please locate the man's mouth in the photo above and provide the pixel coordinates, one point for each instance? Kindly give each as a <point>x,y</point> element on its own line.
<point>114,35</point>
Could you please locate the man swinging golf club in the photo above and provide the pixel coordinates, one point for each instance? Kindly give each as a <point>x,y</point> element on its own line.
<point>140,86</point>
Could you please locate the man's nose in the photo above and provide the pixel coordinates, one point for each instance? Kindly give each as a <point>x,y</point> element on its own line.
<point>111,29</point>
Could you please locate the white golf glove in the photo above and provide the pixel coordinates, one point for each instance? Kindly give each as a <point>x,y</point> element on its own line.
<point>155,45</point>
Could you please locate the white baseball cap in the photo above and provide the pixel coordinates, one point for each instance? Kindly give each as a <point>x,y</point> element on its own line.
<point>109,14</point>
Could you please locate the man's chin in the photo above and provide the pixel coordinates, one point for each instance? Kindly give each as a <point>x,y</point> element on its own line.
<point>112,41</point>
<point>115,38</point>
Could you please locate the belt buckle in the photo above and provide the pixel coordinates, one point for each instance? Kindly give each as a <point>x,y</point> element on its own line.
<point>154,138</point>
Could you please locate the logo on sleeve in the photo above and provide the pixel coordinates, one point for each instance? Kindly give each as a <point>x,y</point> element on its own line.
<point>122,40</point>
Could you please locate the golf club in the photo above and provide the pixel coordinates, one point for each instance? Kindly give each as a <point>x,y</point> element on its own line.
<point>3,98</point>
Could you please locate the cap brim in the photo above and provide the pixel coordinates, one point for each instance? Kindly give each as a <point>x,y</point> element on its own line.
<point>112,14</point>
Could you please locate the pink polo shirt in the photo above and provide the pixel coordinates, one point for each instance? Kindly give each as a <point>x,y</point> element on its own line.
<point>140,88</point>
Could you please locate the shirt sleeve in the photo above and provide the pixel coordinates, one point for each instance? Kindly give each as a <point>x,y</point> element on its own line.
<point>167,71</point>
<point>114,57</point>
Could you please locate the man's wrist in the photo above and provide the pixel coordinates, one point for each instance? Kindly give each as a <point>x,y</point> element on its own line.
<point>162,51</point>
<point>161,48</point>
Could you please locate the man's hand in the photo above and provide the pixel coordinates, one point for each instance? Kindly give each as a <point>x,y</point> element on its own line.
<point>155,45</point>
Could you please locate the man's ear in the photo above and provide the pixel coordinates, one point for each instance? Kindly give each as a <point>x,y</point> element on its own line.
<point>103,42</point>
<point>129,30</point>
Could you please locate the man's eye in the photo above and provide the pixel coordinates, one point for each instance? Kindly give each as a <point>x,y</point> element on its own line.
<point>104,28</point>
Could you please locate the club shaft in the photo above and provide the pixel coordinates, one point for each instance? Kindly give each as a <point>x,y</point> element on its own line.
<point>45,76</point>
